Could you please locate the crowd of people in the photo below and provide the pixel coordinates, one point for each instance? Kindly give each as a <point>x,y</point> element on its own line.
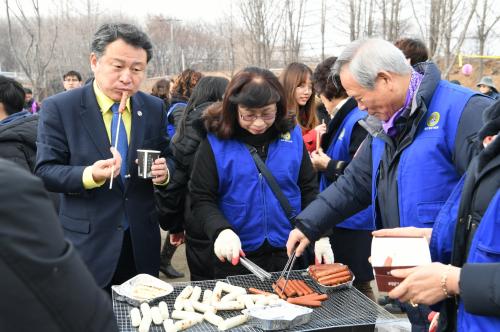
<point>372,142</point>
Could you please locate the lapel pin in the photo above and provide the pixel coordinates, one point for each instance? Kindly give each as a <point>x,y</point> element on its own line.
<point>139,113</point>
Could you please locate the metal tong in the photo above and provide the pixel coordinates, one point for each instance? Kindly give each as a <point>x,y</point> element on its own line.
<point>255,269</point>
<point>286,270</point>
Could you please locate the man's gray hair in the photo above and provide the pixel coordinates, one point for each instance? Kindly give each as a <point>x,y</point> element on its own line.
<point>130,34</point>
<point>368,57</point>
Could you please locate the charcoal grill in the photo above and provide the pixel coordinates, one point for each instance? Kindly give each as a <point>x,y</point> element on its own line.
<point>344,308</point>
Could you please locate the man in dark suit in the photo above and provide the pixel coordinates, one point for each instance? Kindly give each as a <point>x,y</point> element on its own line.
<point>114,230</point>
<point>45,285</point>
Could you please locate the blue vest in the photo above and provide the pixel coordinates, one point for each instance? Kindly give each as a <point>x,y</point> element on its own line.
<point>485,248</point>
<point>245,198</point>
<point>171,126</point>
<point>426,174</point>
<point>339,150</point>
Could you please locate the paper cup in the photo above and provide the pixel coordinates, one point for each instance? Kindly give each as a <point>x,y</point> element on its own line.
<point>146,159</point>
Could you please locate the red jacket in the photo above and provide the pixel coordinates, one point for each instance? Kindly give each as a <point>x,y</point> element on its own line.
<point>310,138</point>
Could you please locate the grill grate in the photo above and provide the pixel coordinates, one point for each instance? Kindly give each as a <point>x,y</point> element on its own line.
<point>122,311</point>
<point>347,307</point>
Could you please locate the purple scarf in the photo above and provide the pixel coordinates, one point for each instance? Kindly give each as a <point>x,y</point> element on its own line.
<point>415,80</point>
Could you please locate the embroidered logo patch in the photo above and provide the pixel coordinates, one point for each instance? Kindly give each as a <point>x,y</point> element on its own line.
<point>433,120</point>
<point>286,137</point>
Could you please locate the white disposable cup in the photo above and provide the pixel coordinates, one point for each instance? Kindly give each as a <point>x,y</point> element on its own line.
<point>146,159</point>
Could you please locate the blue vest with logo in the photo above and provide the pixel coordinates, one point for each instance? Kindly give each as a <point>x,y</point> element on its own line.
<point>485,248</point>
<point>171,126</point>
<point>245,198</point>
<point>339,150</point>
<point>426,174</point>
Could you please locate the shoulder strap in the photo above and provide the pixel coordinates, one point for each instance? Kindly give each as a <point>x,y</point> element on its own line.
<point>285,204</point>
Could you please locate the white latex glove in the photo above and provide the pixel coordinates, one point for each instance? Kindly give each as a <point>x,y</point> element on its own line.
<point>227,246</point>
<point>323,251</point>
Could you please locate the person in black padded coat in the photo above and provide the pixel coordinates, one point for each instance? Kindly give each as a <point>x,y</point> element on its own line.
<point>174,202</point>
<point>45,285</point>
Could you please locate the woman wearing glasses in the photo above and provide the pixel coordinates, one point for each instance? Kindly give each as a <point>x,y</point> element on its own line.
<point>239,211</point>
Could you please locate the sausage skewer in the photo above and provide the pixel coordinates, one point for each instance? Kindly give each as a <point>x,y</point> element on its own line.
<point>121,108</point>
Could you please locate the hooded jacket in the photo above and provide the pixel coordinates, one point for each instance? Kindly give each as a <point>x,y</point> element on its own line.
<point>18,139</point>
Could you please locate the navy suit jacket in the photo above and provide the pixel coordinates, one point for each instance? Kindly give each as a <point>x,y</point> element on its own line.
<point>72,136</point>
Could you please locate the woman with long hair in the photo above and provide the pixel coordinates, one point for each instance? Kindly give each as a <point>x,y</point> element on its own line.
<point>174,203</point>
<point>299,90</point>
<point>182,88</point>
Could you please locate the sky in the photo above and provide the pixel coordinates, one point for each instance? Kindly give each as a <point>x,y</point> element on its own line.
<point>189,10</point>
<point>211,11</point>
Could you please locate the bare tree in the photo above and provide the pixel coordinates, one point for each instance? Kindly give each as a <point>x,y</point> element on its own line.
<point>370,25</point>
<point>322,28</point>
<point>293,31</point>
<point>461,38</point>
<point>34,56</point>
<point>263,20</point>
<point>79,24</point>
<point>485,24</point>
<point>354,18</point>
<point>434,26</point>
<point>162,62</point>
<point>391,18</point>
<point>417,18</point>
<point>231,34</point>
<point>445,17</point>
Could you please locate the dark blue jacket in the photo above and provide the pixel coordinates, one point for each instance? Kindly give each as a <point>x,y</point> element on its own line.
<point>72,136</point>
<point>245,198</point>
<point>339,151</point>
<point>352,192</point>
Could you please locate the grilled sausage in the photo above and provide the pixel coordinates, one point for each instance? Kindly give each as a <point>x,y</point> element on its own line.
<point>258,291</point>
<point>324,279</point>
<point>337,281</point>
<point>304,302</point>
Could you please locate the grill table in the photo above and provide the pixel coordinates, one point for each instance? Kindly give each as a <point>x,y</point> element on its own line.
<point>345,310</point>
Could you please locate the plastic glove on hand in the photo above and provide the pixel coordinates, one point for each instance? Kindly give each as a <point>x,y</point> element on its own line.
<point>323,251</point>
<point>227,246</point>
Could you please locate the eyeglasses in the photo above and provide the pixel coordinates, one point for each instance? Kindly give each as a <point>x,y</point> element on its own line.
<point>253,117</point>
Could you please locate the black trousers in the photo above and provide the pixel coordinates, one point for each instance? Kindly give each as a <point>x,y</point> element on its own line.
<point>352,248</point>
<point>200,257</point>
<point>125,268</point>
